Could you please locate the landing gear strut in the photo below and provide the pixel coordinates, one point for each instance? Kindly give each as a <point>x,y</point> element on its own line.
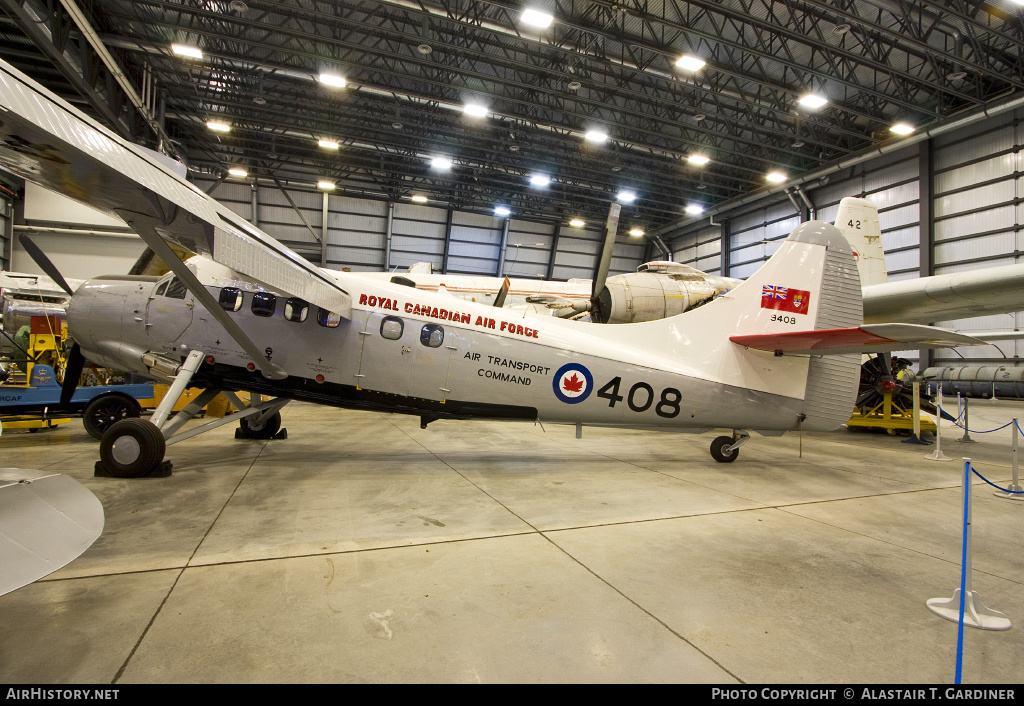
<point>131,448</point>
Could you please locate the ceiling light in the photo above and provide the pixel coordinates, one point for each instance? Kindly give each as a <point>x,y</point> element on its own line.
<point>626,197</point>
<point>776,177</point>
<point>236,172</point>
<point>475,110</point>
<point>332,80</point>
<point>596,136</point>
<point>636,232</point>
<point>698,159</point>
<point>502,211</point>
<point>185,50</point>
<point>812,101</point>
<point>574,85</point>
<point>688,62</point>
<point>328,144</point>
<point>218,127</point>
<point>419,199</point>
<point>327,185</point>
<point>694,210</point>
<point>536,18</point>
<point>902,129</point>
<point>540,180</point>
<point>424,49</point>
<point>577,223</point>
<point>841,29</point>
<point>441,163</point>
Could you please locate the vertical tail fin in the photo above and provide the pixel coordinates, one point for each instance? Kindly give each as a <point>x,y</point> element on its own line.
<point>858,221</point>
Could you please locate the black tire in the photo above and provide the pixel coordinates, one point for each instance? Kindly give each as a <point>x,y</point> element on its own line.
<point>132,448</point>
<point>105,410</point>
<point>266,431</point>
<point>719,453</point>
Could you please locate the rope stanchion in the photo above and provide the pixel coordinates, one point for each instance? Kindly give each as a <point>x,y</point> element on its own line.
<point>966,607</point>
<point>1014,492</point>
<point>937,454</point>
<point>966,438</point>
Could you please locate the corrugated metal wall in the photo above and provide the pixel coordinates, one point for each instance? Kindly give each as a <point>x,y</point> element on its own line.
<point>457,242</point>
<point>975,211</point>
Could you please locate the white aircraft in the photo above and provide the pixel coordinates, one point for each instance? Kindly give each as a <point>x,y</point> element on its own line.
<point>776,353</point>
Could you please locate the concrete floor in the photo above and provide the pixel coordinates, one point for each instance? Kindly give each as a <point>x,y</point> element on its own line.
<point>364,549</point>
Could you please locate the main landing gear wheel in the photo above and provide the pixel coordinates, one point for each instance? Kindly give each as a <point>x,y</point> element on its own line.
<point>104,411</point>
<point>132,448</point>
<point>266,430</point>
<point>718,449</point>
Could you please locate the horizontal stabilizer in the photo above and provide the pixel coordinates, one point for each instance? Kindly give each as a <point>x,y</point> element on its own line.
<point>872,338</point>
<point>46,520</point>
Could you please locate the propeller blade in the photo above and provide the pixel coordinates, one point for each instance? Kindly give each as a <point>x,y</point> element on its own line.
<point>72,372</point>
<point>605,263</point>
<point>39,257</point>
<point>499,301</point>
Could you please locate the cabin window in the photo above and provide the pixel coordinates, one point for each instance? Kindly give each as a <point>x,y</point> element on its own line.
<point>160,289</point>
<point>391,328</point>
<point>176,289</point>
<point>296,310</point>
<point>432,335</point>
<point>327,318</point>
<point>230,299</point>
<point>263,304</point>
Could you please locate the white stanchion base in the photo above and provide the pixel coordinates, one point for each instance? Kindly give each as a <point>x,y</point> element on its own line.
<point>976,615</point>
<point>937,455</point>
<point>1010,496</point>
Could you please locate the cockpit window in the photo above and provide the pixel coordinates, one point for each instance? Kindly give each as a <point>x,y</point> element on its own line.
<point>160,289</point>
<point>231,299</point>
<point>327,318</point>
<point>263,304</point>
<point>176,289</point>
<point>295,310</point>
<point>432,335</point>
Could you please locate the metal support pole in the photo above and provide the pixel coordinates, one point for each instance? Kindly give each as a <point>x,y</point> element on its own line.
<point>916,438</point>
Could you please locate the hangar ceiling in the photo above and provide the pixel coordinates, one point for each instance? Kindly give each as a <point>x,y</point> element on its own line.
<point>411,65</point>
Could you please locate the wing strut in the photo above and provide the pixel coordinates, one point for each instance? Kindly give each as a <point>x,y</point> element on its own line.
<point>145,227</point>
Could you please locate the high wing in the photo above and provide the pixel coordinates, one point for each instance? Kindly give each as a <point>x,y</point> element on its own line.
<point>49,142</point>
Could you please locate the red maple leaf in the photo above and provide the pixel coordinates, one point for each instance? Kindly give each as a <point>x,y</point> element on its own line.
<point>573,384</point>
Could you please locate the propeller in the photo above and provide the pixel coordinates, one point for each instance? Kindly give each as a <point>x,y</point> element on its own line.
<point>39,257</point>
<point>605,263</point>
<point>75,360</point>
<point>72,372</point>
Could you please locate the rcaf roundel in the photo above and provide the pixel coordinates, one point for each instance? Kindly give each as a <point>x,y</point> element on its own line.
<point>572,383</point>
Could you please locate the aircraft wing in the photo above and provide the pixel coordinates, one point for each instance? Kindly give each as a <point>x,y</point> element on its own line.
<point>995,290</point>
<point>47,141</point>
<point>872,338</point>
<point>46,521</point>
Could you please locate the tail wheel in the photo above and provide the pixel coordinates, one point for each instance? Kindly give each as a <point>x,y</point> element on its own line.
<point>104,411</point>
<point>718,449</point>
<point>250,430</point>
<point>132,448</point>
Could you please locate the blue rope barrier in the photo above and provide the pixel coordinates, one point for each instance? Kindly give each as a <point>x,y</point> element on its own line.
<point>963,574</point>
<point>1015,492</point>
<point>976,431</point>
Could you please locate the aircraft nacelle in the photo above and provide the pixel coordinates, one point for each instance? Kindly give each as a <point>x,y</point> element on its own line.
<point>657,291</point>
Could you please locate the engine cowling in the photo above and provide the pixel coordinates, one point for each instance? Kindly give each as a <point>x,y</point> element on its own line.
<point>662,290</point>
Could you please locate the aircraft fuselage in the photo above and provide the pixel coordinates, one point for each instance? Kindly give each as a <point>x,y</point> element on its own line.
<point>408,351</point>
